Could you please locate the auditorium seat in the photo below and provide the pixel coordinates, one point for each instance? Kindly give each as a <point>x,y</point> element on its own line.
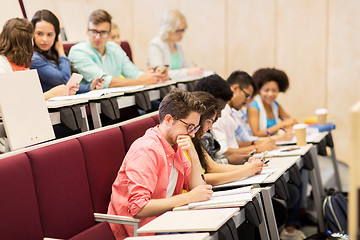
<point>62,189</point>
<point>156,118</point>
<point>103,152</point>
<point>18,205</point>
<point>133,130</point>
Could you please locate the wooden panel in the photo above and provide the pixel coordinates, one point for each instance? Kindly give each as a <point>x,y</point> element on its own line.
<point>32,6</point>
<point>301,52</point>
<point>250,35</point>
<point>146,25</point>
<point>204,41</point>
<point>343,68</point>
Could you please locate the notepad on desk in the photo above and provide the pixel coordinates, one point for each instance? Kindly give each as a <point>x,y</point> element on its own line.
<point>220,199</point>
<point>292,150</point>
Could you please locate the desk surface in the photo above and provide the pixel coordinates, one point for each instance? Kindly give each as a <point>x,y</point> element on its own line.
<point>282,164</point>
<point>282,151</point>
<point>65,103</point>
<point>185,236</point>
<point>189,221</point>
<point>313,138</point>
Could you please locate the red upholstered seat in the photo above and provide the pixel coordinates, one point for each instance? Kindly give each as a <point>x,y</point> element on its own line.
<point>99,231</point>
<point>134,130</point>
<point>18,205</point>
<point>62,189</point>
<point>156,118</point>
<point>126,47</point>
<point>104,152</point>
<point>67,47</point>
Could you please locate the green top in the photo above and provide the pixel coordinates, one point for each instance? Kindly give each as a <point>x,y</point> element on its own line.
<point>175,61</point>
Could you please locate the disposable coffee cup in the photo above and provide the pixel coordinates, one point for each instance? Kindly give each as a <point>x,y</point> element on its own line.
<point>321,115</point>
<point>300,133</point>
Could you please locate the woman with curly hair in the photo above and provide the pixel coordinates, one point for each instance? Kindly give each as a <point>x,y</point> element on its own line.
<point>266,115</point>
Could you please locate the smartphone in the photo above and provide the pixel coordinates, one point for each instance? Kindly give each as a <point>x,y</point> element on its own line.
<point>101,79</point>
<point>164,68</point>
<point>74,79</point>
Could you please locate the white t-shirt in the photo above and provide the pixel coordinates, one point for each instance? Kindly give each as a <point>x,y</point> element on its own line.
<point>172,181</point>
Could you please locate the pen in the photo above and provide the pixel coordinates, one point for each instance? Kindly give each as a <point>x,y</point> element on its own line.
<point>267,132</point>
<point>289,149</point>
<point>203,177</point>
<point>252,152</point>
<point>266,161</point>
<point>263,156</point>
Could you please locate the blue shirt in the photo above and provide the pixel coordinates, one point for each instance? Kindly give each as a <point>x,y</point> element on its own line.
<point>91,64</point>
<point>269,122</point>
<point>52,75</point>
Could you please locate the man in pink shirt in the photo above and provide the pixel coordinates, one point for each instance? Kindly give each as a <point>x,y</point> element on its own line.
<point>155,170</point>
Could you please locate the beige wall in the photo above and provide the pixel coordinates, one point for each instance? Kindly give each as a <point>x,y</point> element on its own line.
<point>315,42</point>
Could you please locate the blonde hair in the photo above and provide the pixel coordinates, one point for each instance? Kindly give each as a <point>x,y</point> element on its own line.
<point>169,21</point>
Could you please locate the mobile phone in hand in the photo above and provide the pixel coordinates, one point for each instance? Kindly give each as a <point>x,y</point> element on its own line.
<point>74,79</point>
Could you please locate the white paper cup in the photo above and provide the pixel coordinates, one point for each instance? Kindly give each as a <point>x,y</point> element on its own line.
<point>321,114</point>
<point>300,133</point>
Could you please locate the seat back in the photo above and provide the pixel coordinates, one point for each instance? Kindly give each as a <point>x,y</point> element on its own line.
<point>19,211</point>
<point>126,47</point>
<point>62,189</point>
<point>134,130</point>
<point>103,153</point>
<point>156,118</point>
<point>67,47</point>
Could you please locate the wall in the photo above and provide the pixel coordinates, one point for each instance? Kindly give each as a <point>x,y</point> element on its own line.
<point>314,42</point>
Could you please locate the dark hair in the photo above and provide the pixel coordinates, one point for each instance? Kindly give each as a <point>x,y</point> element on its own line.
<point>46,15</point>
<point>211,105</point>
<point>264,75</point>
<point>216,86</point>
<point>179,103</point>
<point>100,16</point>
<point>16,41</point>
<point>243,79</point>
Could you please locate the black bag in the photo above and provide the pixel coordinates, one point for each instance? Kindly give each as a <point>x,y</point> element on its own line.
<point>335,212</point>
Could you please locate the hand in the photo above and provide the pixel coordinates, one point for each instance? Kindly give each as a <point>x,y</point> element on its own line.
<point>163,76</point>
<point>60,90</point>
<point>96,84</point>
<point>267,145</point>
<point>194,71</point>
<point>289,122</point>
<point>285,137</point>
<point>185,143</point>
<point>59,47</point>
<point>200,193</point>
<point>254,166</point>
<point>73,89</point>
<point>149,77</point>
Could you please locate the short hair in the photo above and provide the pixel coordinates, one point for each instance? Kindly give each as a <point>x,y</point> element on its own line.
<point>179,103</point>
<point>216,86</point>
<point>100,16</point>
<point>211,105</point>
<point>49,17</point>
<point>169,21</point>
<point>264,75</point>
<point>243,79</point>
<point>16,41</point>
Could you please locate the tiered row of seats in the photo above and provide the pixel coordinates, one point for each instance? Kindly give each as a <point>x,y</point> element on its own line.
<point>54,189</point>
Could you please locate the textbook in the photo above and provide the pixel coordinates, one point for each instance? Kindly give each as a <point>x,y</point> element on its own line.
<point>228,198</point>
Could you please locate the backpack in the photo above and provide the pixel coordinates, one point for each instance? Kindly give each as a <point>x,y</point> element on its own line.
<point>335,212</point>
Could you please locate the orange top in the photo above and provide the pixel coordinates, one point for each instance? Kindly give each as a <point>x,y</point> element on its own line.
<point>15,67</point>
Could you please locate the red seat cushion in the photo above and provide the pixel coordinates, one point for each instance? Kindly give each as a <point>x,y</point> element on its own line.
<point>67,47</point>
<point>99,231</point>
<point>62,189</point>
<point>134,130</point>
<point>126,47</point>
<point>104,152</point>
<point>19,211</point>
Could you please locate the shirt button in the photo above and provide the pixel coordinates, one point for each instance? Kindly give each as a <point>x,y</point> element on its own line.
<point>170,164</point>
<point>168,155</point>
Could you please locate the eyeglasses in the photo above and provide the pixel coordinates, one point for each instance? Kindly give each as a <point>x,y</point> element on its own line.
<point>179,31</point>
<point>190,127</point>
<point>94,33</point>
<point>247,96</point>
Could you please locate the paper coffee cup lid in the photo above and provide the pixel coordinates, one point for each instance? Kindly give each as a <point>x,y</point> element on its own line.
<point>300,126</point>
<point>321,111</point>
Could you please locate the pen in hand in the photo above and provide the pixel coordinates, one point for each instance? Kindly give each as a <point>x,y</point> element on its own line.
<point>203,178</point>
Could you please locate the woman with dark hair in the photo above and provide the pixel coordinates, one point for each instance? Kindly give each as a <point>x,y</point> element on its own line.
<point>49,58</point>
<point>266,115</point>
<point>216,173</point>
<point>16,49</point>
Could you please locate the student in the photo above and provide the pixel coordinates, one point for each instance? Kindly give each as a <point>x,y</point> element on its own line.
<point>243,89</point>
<point>155,170</point>
<point>49,58</point>
<point>165,49</point>
<point>99,56</point>
<point>266,115</point>
<point>216,173</point>
<point>16,50</point>
<point>115,33</point>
